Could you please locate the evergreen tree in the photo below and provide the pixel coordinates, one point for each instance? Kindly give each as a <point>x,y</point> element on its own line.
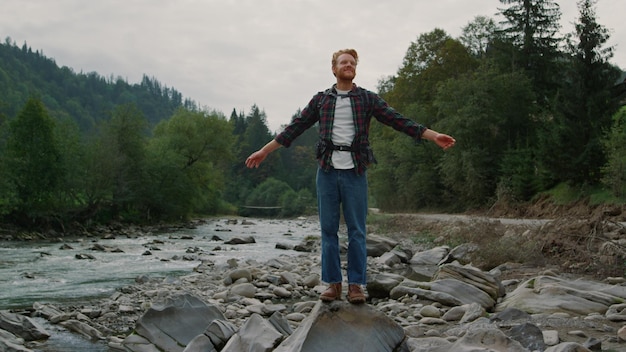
<point>32,164</point>
<point>586,103</point>
<point>532,26</point>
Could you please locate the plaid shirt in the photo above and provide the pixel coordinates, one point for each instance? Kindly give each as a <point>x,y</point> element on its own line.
<point>365,104</point>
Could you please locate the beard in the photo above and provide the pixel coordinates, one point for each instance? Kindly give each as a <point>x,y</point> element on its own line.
<point>346,75</point>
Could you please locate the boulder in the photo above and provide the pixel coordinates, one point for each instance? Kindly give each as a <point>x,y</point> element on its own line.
<point>22,326</point>
<point>551,294</point>
<point>257,334</point>
<point>172,325</point>
<point>378,245</point>
<point>341,326</point>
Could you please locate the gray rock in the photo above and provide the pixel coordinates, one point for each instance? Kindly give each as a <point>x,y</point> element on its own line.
<point>492,340</point>
<point>175,323</point>
<point>430,257</point>
<point>237,274</point>
<point>219,332</point>
<point>341,326</point>
<point>550,294</point>
<point>22,326</point>
<point>241,240</point>
<point>473,311</point>
<point>244,290</point>
<point>567,347</point>
<point>200,343</point>
<point>257,334</point>
<point>529,336</point>
<point>380,285</point>
<point>378,245</point>
<point>83,329</point>
<point>11,343</point>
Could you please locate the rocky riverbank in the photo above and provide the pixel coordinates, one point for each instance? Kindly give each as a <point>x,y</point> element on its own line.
<point>422,299</point>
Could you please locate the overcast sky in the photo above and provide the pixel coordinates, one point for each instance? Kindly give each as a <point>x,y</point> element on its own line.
<point>231,54</point>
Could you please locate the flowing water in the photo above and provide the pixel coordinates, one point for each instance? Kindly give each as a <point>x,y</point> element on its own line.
<point>45,272</point>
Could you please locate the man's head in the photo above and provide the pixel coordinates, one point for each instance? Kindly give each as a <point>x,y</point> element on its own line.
<point>344,63</point>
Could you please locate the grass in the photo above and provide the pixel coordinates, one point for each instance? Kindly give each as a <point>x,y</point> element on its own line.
<point>564,194</point>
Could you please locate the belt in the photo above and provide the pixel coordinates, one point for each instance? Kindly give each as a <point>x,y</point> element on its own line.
<point>343,148</point>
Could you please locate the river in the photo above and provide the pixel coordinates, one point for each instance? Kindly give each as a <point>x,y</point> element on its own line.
<point>49,272</point>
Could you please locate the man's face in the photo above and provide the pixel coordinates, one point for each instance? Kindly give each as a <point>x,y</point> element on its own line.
<point>345,68</point>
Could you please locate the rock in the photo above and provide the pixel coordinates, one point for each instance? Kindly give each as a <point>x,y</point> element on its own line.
<point>174,323</point>
<point>257,334</point>
<point>341,326</point>
<point>430,311</point>
<point>200,343</point>
<point>567,347</point>
<point>473,311</point>
<point>241,240</point>
<point>378,245</point>
<point>616,312</point>
<point>551,337</point>
<point>621,333</point>
<point>219,332</point>
<point>529,335</point>
<point>430,257</point>
<point>12,343</point>
<point>380,285</point>
<point>550,294</point>
<point>244,290</point>
<point>473,276</point>
<point>237,274</point>
<point>83,329</point>
<point>484,339</point>
<point>22,326</point>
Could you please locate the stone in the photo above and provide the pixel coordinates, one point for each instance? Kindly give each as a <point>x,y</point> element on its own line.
<point>529,336</point>
<point>551,294</point>
<point>621,333</point>
<point>341,326</point>
<point>176,322</point>
<point>256,334</point>
<point>551,337</point>
<point>22,326</point>
<point>244,290</point>
<point>83,329</point>
<point>380,285</point>
<point>567,347</point>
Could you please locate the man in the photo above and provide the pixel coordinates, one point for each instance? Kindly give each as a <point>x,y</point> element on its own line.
<point>344,113</point>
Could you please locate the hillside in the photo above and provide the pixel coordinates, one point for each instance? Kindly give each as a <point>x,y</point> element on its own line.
<point>83,97</point>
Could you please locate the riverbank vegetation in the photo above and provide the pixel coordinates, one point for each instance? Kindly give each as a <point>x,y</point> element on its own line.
<point>535,116</point>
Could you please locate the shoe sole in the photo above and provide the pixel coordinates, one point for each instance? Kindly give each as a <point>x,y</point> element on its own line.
<point>356,300</point>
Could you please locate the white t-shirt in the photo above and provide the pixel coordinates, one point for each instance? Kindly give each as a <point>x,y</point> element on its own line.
<point>343,131</point>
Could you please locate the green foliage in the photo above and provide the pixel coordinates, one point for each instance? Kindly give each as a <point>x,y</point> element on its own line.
<point>87,98</point>
<point>488,112</point>
<point>296,203</point>
<point>528,118</point>
<point>586,103</point>
<point>614,172</point>
<point>32,162</point>
<point>532,27</point>
<point>268,193</point>
<point>273,193</point>
<point>188,159</point>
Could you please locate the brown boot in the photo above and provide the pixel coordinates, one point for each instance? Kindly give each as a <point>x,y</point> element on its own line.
<point>355,294</point>
<point>333,292</point>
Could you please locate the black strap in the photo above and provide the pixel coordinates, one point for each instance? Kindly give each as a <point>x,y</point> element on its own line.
<point>343,148</point>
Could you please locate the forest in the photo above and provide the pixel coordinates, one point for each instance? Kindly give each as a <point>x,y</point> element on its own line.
<point>533,113</point>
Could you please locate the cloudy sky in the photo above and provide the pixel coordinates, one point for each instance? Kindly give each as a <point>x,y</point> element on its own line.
<point>231,54</point>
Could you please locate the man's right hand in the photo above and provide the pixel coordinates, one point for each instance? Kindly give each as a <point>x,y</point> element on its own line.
<point>255,159</point>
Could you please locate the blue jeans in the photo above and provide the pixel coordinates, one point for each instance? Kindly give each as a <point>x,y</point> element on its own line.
<point>342,190</point>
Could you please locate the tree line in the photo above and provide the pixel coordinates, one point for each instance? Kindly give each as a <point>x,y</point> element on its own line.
<point>531,111</point>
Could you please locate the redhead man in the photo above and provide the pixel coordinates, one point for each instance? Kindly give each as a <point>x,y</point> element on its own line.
<point>344,112</point>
